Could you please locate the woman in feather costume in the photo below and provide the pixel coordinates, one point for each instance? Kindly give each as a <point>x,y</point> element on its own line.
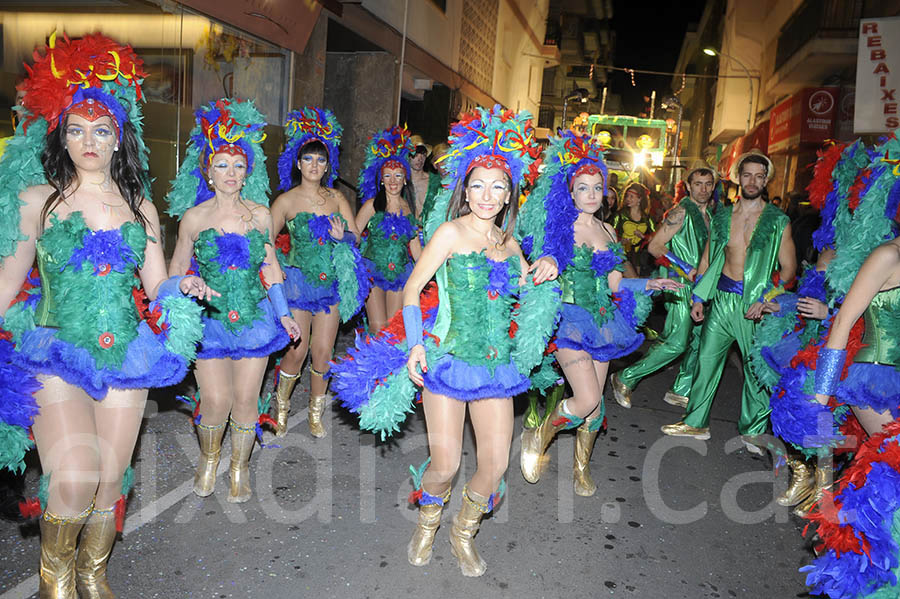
<point>387,220</point>
<point>475,348</point>
<point>74,188</point>
<point>220,194</point>
<point>326,280</point>
<point>859,365</point>
<point>600,309</point>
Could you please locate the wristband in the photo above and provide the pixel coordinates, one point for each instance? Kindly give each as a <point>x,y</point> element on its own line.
<point>412,324</point>
<point>170,286</point>
<point>694,297</point>
<point>279,302</point>
<point>829,365</point>
<point>635,285</point>
<point>681,267</point>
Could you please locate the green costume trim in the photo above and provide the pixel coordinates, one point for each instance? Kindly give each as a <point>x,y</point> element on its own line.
<point>434,188</point>
<point>20,168</point>
<point>241,289</point>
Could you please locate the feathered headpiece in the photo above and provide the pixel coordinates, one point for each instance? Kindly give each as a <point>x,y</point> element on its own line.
<point>305,125</point>
<point>546,222</point>
<point>866,182</point>
<point>93,75</point>
<point>226,125</point>
<point>489,138</point>
<point>392,145</point>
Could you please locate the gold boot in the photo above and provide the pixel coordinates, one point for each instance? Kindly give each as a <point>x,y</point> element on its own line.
<point>824,476</point>
<point>418,552</point>
<point>465,526</point>
<point>536,440</point>
<point>801,485</point>
<point>58,540</point>
<point>621,391</point>
<point>584,445</point>
<point>97,540</point>
<point>286,384</point>
<point>210,449</point>
<point>316,409</point>
<point>243,438</point>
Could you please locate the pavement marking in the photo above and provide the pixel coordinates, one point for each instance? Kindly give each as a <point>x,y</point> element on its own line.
<point>28,587</point>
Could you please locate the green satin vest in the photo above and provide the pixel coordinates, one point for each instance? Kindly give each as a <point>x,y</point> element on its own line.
<point>762,253</point>
<point>880,339</point>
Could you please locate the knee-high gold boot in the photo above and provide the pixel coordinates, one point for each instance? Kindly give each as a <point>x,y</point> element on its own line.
<point>58,542</point>
<point>96,544</point>
<point>418,552</point>
<point>210,449</point>
<point>243,437</point>
<point>585,436</point>
<point>824,480</point>
<point>317,409</point>
<point>465,526</point>
<point>286,384</point>
<point>536,440</point>
<point>802,482</point>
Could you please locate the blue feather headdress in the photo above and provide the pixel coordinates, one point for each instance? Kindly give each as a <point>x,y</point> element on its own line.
<point>392,144</point>
<point>227,123</point>
<point>303,126</point>
<point>547,219</point>
<point>492,137</point>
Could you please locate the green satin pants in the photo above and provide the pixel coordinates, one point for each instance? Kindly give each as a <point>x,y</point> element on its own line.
<point>679,336</point>
<point>725,324</point>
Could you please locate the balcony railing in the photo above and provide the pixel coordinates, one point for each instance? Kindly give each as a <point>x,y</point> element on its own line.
<point>817,19</point>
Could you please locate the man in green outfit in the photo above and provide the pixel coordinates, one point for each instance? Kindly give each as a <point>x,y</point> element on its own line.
<point>678,245</point>
<point>746,243</point>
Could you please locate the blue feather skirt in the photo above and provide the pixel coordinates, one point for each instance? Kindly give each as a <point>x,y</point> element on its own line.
<point>147,362</point>
<point>460,380</point>
<point>262,338</point>
<point>616,338</point>
<point>302,295</point>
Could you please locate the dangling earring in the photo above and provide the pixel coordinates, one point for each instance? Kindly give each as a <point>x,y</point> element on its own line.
<point>210,181</point>
<point>116,149</point>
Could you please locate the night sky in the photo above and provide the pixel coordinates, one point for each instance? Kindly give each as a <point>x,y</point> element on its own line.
<point>648,36</point>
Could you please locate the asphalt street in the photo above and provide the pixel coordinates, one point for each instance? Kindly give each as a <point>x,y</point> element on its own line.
<point>672,518</point>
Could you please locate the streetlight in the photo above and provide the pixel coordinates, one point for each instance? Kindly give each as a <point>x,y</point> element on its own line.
<point>710,51</point>
<point>579,94</point>
<point>673,103</point>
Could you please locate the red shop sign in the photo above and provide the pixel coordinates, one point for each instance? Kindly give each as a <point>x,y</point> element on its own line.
<point>806,117</point>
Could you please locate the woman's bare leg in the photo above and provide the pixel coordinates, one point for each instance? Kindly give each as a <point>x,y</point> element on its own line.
<point>248,377</point>
<point>492,420</point>
<point>216,388</point>
<point>118,419</point>
<point>376,310</point>
<point>393,303</point>
<point>444,421</point>
<point>66,437</point>
<point>292,361</point>
<point>324,333</point>
<point>586,377</point>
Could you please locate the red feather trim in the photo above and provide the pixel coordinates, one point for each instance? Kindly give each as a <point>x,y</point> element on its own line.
<point>822,183</point>
<point>265,419</point>
<point>283,243</point>
<point>30,508</point>
<point>862,178</point>
<point>120,513</point>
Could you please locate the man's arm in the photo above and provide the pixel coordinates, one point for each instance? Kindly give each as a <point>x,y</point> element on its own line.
<point>672,223</point>
<point>787,256</point>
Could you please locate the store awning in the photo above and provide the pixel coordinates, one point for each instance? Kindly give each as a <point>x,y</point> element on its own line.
<point>757,138</point>
<point>286,23</point>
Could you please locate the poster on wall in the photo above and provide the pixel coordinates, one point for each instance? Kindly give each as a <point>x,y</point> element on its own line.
<point>877,106</point>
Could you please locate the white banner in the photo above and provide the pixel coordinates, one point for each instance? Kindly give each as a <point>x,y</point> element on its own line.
<point>878,76</point>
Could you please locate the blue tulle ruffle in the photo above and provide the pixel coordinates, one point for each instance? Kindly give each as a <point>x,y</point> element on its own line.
<point>617,338</point>
<point>875,386</point>
<point>378,279</point>
<point>147,362</point>
<point>460,380</point>
<point>302,295</point>
<point>261,338</point>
